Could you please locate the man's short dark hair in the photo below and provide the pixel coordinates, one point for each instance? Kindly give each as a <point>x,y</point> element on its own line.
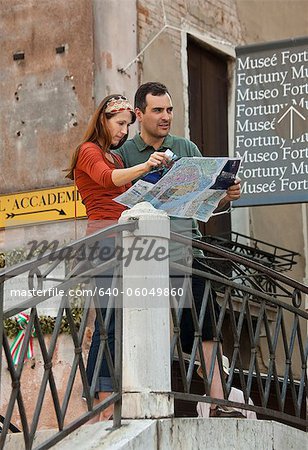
<point>153,88</point>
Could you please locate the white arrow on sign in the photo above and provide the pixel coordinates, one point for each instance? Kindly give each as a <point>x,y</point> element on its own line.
<point>291,110</point>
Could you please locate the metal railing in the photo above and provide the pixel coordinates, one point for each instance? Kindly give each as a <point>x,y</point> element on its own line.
<point>249,314</point>
<point>270,255</point>
<point>39,272</point>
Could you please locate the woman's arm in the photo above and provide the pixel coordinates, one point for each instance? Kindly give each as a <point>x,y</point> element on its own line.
<point>90,160</point>
<point>123,176</point>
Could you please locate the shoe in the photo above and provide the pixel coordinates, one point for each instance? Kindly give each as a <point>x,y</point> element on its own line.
<point>225,412</point>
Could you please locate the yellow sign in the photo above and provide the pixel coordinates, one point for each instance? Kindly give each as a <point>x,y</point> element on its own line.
<point>40,206</point>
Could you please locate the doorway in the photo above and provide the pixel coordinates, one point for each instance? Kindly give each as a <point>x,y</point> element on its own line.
<point>208,114</point>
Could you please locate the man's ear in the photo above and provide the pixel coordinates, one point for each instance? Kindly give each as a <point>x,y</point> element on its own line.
<point>139,114</point>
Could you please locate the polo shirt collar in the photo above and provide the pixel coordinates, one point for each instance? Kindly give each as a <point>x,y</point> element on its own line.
<point>141,145</point>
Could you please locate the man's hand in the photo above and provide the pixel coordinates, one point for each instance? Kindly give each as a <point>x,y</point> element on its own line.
<point>233,193</point>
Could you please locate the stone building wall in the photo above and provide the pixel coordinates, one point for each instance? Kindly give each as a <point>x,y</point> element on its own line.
<point>165,58</point>
<point>46,98</point>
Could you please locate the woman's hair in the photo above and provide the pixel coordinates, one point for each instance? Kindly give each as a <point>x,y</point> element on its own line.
<point>97,130</point>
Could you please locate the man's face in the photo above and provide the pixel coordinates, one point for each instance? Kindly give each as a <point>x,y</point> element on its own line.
<point>157,118</point>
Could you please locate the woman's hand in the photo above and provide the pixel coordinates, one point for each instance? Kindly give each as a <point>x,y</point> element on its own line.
<point>123,176</point>
<point>155,160</point>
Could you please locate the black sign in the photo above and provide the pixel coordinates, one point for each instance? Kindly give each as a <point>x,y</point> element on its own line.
<point>271,122</point>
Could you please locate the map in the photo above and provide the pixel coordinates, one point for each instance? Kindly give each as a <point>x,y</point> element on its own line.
<point>192,188</point>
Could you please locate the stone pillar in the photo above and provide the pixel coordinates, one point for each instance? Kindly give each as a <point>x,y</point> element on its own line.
<point>146,366</point>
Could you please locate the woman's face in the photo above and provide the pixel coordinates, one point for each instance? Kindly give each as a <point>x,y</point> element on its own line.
<point>118,126</point>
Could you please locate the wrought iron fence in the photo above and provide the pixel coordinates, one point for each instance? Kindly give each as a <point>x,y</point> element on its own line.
<point>39,272</point>
<point>263,332</point>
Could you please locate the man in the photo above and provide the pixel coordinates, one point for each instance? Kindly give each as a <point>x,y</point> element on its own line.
<point>237,396</point>
<point>154,111</point>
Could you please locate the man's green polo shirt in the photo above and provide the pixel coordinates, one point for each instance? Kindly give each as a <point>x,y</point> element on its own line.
<point>136,151</point>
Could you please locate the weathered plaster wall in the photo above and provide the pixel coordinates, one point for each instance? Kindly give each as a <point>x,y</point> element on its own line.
<point>271,20</point>
<point>46,98</point>
<point>165,58</point>
<point>115,45</point>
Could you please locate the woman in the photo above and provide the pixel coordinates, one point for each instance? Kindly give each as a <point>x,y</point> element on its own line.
<point>100,176</point>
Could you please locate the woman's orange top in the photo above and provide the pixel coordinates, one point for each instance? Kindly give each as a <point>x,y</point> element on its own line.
<point>93,179</point>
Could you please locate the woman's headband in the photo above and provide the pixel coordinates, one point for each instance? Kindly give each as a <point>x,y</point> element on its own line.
<point>117,104</point>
